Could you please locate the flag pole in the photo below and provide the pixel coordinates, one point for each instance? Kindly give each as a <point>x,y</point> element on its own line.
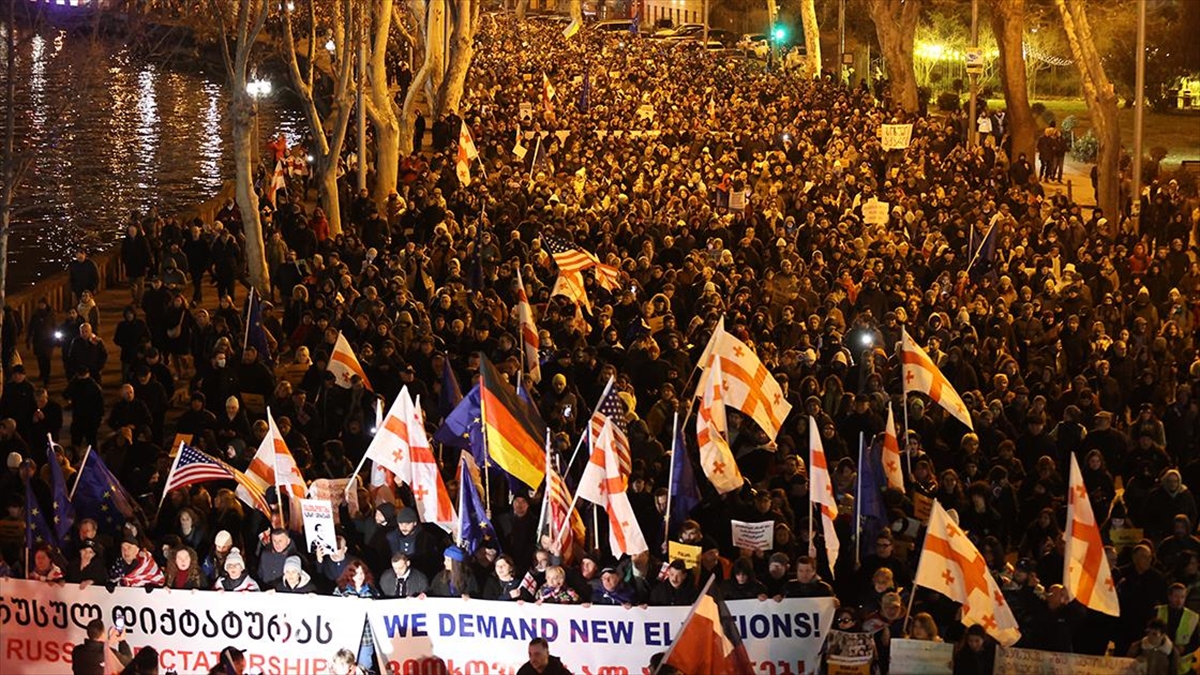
<point>487,455</point>
<point>671,477</point>
<point>167,482</point>
<point>271,429</point>
<point>907,453</point>
<point>587,434</point>
<point>595,507</point>
<point>566,521</point>
<point>545,490</point>
<point>858,519</point>
<point>982,243</point>
<point>249,307</point>
<point>812,545</point>
<point>75,485</point>
<point>463,478</point>
<point>912,594</point>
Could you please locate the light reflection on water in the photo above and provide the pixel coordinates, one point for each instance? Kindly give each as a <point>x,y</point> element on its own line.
<point>108,134</point>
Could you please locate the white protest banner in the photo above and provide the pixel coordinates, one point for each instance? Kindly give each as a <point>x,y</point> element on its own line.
<point>479,636</point>
<point>921,657</point>
<point>875,212</point>
<point>41,623</point>
<point>319,529</point>
<point>896,136</point>
<point>754,536</point>
<point>737,200</point>
<point>334,490</point>
<point>1036,662</point>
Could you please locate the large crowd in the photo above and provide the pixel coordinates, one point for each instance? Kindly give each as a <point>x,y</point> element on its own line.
<point>721,189</point>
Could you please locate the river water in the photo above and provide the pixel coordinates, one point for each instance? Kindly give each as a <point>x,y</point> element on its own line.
<point>107,132</point>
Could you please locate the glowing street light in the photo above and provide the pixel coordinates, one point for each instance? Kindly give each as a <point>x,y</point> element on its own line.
<point>258,88</point>
<point>330,46</point>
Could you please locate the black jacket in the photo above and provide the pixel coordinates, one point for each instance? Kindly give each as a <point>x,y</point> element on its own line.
<point>554,667</point>
<point>88,658</point>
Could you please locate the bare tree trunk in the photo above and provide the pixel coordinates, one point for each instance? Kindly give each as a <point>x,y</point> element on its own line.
<point>328,134</point>
<point>896,27</point>
<point>812,35</point>
<point>1102,104</point>
<point>425,79</point>
<point>243,122</point>
<point>380,106</point>
<point>576,9</point>
<point>249,17</point>
<point>1008,23</point>
<point>522,7</point>
<point>462,50</point>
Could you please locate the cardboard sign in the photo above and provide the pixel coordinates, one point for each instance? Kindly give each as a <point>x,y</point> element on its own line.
<point>334,492</point>
<point>737,200</point>
<point>1036,662</point>
<point>896,136</point>
<point>318,524</point>
<point>184,439</point>
<point>754,536</point>
<point>1125,537</point>
<point>525,110</point>
<point>690,555</point>
<point>875,212</point>
<point>922,506</point>
<point>921,657</point>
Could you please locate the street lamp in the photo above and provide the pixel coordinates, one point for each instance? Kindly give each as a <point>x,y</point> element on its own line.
<point>257,89</point>
<point>330,46</point>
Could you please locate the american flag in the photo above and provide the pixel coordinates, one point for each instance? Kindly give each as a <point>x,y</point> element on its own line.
<point>613,407</point>
<point>192,467</point>
<point>559,500</point>
<point>608,276</point>
<point>567,256</point>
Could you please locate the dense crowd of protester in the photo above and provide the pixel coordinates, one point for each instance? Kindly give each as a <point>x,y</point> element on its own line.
<point>720,188</point>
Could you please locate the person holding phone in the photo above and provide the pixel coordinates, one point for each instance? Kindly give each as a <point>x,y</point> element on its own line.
<point>90,657</point>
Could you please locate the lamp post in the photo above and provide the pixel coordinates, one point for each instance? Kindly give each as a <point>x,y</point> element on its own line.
<point>1138,112</point>
<point>257,89</point>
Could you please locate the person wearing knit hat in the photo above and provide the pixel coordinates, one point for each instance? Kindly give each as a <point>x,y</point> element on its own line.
<point>295,579</point>
<point>455,579</point>
<point>235,577</point>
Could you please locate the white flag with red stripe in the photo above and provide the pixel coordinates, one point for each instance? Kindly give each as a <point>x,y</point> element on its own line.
<point>1086,573</point>
<point>344,364</point>
<point>891,454</point>
<point>603,484</point>
<point>433,501</point>
<point>715,456</point>
<point>951,565</point>
<point>530,342</point>
<point>273,465</point>
<point>921,375</point>
<point>820,492</point>
<point>750,387</point>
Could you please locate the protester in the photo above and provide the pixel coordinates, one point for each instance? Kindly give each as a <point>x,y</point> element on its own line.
<point>92,658</point>
<point>541,662</point>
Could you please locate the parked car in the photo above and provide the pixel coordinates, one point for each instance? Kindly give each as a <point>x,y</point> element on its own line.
<point>612,25</point>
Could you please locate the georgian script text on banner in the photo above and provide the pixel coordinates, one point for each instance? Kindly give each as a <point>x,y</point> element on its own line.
<point>41,623</point>
<point>491,637</point>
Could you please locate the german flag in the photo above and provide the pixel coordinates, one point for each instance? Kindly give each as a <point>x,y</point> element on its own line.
<point>513,431</point>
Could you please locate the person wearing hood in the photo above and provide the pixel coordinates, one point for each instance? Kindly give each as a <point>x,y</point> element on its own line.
<point>541,662</point>
<point>1164,502</point>
<point>294,579</point>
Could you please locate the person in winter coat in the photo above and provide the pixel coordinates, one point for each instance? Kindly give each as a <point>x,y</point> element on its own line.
<point>137,258</point>
<point>295,579</point>
<point>402,580</point>
<point>235,578</point>
<point>1164,502</point>
<point>1155,650</point>
<point>541,662</point>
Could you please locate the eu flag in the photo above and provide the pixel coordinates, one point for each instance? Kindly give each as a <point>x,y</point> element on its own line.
<point>871,513</point>
<point>461,424</point>
<point>451,394</point>
<point>256,335</point>
<point>100,496</point>
<point>37,532</point>
<point>474,525</point>
<point>685,493</point>
<point>64,512</point>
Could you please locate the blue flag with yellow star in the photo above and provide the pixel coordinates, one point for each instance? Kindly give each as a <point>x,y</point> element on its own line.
<point>64,512</point>
<point>100,496</point>
<point>37,532</point>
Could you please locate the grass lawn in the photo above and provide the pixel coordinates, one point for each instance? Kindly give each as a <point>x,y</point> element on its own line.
<point>1179,132</point>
